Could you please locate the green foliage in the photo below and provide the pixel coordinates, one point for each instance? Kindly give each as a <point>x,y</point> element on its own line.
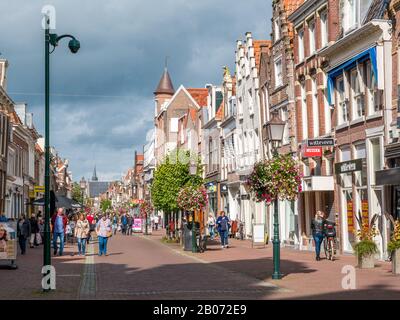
<point>365,248</point>
<point>170,177</point>
<point>105,205</point>
<point>394,242</point>
<point>77,192</point>
<point>393,246</point>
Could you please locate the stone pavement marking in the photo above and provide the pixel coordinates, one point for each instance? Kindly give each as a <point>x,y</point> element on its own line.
<point>245,277</point>
<point>87,288</point>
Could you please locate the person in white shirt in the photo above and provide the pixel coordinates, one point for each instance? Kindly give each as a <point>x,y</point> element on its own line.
<point>103,229</point>
<point>156,220</point>
<point>211,225</point>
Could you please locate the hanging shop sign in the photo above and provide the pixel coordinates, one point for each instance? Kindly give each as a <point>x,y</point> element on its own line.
<point>211,187</point>
<point>224,188</point>
<point>38,189</point>
<point>8,240</point>
<point>348,166</point>
<point>320,143</point>
<point>309,152</point>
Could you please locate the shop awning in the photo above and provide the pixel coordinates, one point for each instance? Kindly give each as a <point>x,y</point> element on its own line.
<point>387,177</point>
<point>61,202</point>
<point>333,74</point>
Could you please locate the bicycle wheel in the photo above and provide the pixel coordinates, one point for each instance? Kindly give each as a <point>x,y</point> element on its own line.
<point>331,246</point>
<point>326,248</point>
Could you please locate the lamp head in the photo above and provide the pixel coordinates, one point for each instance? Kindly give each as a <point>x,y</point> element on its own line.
<point>74,45</point>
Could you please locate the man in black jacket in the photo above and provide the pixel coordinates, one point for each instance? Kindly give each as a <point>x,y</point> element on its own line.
<point>23,232</point>
<point>130,224</point>
<point>35,235</point>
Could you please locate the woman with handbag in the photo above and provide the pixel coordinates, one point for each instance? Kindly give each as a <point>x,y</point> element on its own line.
<point>104,231</point>
<point>82,230</point>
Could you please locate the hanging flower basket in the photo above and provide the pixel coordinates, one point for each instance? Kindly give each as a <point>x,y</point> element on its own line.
<point>146,208</point>
<point>278,178</point>
<point>192,198</point>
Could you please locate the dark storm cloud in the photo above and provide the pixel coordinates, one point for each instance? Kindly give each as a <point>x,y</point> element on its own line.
<point>103,107</point>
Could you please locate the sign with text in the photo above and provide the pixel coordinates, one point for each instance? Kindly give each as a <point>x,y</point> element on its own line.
<point>348,166</point>
<point>137,225</point>
<point>38,189</point>
<point>320,142</point>
<point>309,152</point>
<point>8,240</point>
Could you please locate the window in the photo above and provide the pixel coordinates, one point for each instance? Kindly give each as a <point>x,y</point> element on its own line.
<point>301,45</point>
<point>376,157</point>
<point>278,72</point>
<point>315,107</point>
<point>345,154</point>
<point>350,14</point>
<point>357,98</point>
<point>174,125</point>
<point>251,102</point>
<point>311,36</point>
<point>343,115</point>
<point>277,29</point>
<point>324,28</point>
<point>304,119</point>
<point>210,155</point>
<point>285,117</point>
<point>374,94</point>
<point>240,107</point>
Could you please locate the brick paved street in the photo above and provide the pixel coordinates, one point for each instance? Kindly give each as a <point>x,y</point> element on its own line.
<point>142,267</point>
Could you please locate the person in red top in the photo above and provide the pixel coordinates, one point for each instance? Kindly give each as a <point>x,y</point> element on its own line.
<point>92,223</point>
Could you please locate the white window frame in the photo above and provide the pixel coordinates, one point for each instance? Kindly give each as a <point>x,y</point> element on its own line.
<point>311,36</point>
<point>315,107</point>
<point>324,27</point>
<point>277,29</point>
<point>304,115</point>
<point>357,97</point>
<point>342,106</point>
<point>300,37</point>
<point>278,73</point>
<point>374,94</point>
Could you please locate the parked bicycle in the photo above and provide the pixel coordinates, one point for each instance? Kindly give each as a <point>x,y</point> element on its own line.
<point>330,240</point>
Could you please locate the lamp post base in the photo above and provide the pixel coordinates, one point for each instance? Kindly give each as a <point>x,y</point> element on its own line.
<point>276,276</point>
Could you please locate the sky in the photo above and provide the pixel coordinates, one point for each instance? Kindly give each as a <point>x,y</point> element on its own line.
<point>102,97</point>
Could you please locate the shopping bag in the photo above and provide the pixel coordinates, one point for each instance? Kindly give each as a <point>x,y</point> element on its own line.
<point>38,238</point>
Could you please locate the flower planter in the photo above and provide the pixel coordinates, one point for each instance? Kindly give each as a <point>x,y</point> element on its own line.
<point>396,262</point>
<point>366,262</point>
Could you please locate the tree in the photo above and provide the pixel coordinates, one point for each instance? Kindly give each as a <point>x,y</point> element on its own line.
<point>105,205</point>
<point>77,192</point>
<point>170,177</point>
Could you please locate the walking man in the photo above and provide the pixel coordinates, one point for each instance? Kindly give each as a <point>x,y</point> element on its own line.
<point>59,222</point>
<point>23,232</point>
<point>223,225</point>
<point>156,221</point>
<point>35,235</point>
<point>130,224</point>
<point>124,222</point>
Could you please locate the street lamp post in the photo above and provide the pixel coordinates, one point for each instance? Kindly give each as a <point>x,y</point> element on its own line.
<point>83,187</point>
<point>193,172</point>
<point>275,128</point>
<point>74,45</point>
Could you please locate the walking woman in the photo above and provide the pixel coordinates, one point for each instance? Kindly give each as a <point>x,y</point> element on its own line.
<point>103,233</point>
<point>317,227</point>
<point>82,229</point>
<point>23,232</point>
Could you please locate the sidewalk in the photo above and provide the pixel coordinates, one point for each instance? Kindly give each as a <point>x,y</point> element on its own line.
<point>303,277</point>
<point>25,282</point>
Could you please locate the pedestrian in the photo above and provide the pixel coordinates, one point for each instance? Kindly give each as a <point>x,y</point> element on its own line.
<point>34,239</point>
<point>156,221</point>
<point>23,232</point>
<point>124,223</point>
<point>152,222</point>
<point>92,223</point>
<point>59,223</point>
<point>211,225</point>
<point>130,224</point>
<point>3,218</point>
<point>81,233</point>
<point>317,227</point>
<point>41,229</point>
<point>223,224</point>
<point>114,224</point>
<point>103,230</point>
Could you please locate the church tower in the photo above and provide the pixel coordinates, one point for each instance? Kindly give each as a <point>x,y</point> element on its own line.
<point>164,91</point>
<point>94,177</point>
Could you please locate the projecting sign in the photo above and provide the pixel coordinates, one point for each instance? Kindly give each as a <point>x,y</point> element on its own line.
<point>312,152</point>
<point>320,142</point>
<point>38,189</point>
<point>348,166</point>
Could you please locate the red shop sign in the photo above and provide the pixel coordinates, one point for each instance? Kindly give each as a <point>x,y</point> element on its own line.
<point>309,152</point>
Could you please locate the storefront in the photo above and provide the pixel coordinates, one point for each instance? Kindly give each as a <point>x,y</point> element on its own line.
<point>212,193</point>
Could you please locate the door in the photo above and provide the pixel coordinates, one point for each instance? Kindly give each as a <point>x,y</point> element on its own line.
<point>348,220</point>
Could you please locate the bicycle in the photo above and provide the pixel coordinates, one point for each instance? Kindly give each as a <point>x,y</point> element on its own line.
<point>329,240</point>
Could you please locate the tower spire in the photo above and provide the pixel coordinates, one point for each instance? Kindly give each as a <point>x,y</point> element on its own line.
<point>94,178</point>
<point>165,85</point>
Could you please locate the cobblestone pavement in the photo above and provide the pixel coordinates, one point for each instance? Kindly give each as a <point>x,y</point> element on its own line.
<point>142,267</point>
